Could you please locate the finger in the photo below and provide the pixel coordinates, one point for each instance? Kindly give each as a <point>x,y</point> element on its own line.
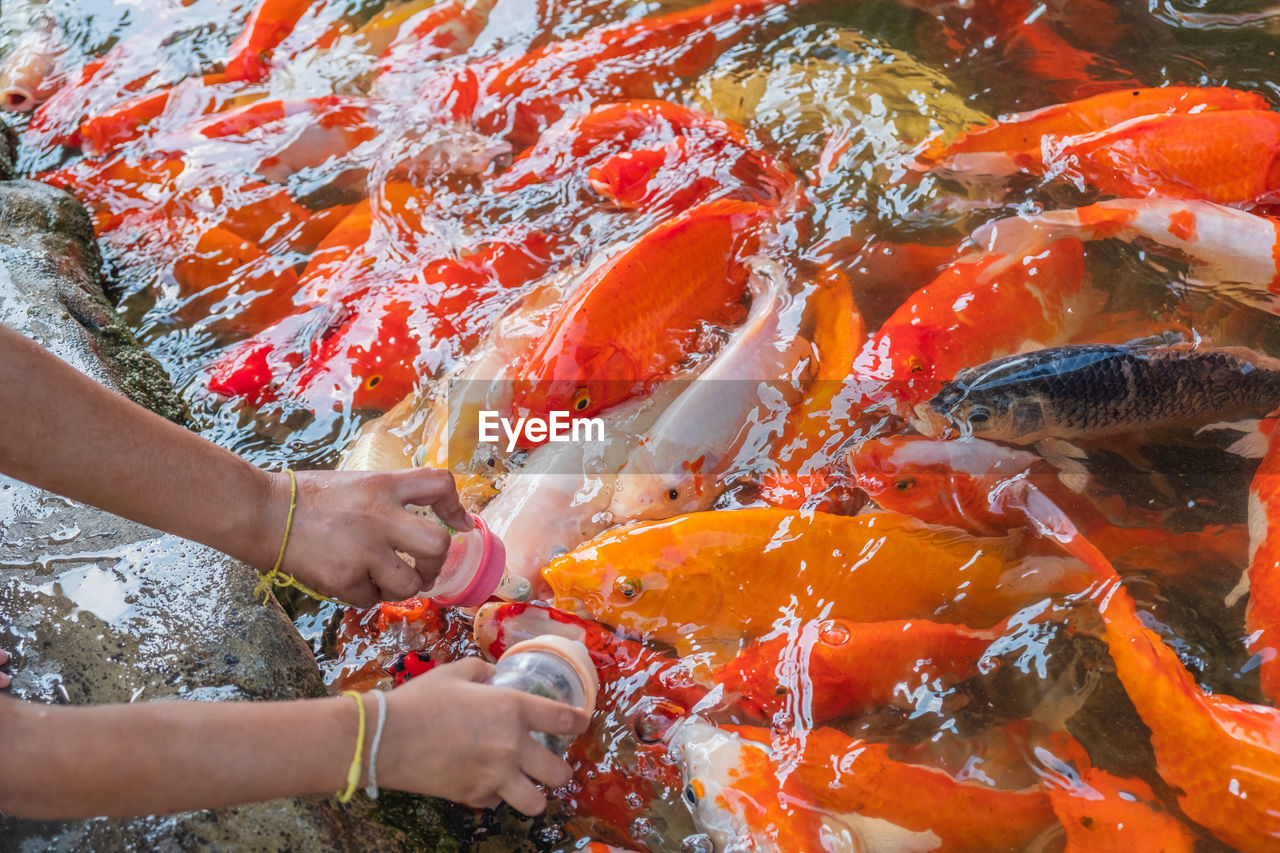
<point>396,579</point>
<point>4,657</point>
<point>434,488</point>
<point>523,796</point>
<point>474,669</point>
<point>426,542</point>
<point>4,680</point>
<point>541,765</point>
<point>547,715</point>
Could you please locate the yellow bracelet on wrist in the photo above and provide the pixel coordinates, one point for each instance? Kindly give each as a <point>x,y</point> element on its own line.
<point>275,576</point>
<point>353,772</point>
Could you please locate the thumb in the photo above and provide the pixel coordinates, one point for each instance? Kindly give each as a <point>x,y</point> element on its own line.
<point>435,488</point>
<point>468,669</point>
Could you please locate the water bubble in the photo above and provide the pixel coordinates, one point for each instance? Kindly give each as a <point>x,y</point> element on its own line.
<point>699,843</point>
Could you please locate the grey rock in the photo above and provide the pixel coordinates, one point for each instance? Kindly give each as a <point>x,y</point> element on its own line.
<point>97,609</point>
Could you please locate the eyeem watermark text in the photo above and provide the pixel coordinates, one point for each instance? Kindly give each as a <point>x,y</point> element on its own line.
<point>528,431</point>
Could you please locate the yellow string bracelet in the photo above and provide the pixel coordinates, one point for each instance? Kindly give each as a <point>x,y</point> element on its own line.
<point>275,576</point>
<point>353,772</point>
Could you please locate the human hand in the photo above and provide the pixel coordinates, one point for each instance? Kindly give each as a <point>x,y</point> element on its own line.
<point>5,678</point>
<point>450,735</point>
<point>348,526</point>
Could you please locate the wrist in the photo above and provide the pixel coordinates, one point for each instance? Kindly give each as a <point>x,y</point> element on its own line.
<point>260,532</point>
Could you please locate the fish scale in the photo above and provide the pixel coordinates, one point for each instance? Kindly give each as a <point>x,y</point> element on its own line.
<point>1088,391</point>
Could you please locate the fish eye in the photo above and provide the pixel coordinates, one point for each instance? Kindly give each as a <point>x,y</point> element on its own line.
<point>627,587</point>
<point>979,415</point>
<point>373,381</point>
<point>581,399</point>
<point>902,484</point>
<point>673,494</point>
<point>691,793</point>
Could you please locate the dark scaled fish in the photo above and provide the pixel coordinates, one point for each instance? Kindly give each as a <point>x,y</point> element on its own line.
<point>1093,390</point>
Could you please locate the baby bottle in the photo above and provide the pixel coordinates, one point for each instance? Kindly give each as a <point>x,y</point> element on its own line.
<point>474,569</point>
<point>551,666</point>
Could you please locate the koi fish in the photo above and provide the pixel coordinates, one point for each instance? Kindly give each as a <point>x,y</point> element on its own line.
<point>1093,390</point>
<point>833,667</point>
<point>681,464</point>
<point>1223,245</point>
<point>976,309</point>
<point>966,483</point>
<point>32,72</point>
<point>725,575</point>
<point>683,273</point>
<point>1103,813</point>
<point>1236,798</point>
<point>1016,138</point>
<point>824,791</point>
<point>804,466</point>
<point>125,121</point>
<point>561,495</point>
<point>1224,156</point>
<point>271,21</point>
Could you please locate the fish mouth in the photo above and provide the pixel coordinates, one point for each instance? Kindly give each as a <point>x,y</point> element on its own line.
<point>931,423</point>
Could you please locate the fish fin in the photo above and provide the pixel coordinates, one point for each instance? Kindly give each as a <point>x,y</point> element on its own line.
<point>1069,461</point>
<point>1251,445</point>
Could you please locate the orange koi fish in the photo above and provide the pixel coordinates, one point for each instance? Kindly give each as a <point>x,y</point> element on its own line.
<point>518,98</point>
<point>974,308</point>
<point>824,791</point>
<point>1103,813</point>
<point>1225,156</point>
<point>271,21</point>
<point>1019,135</point>
<point>126,120</point>
<point>1236,796</point>
<point>732,574</point>
<point>831,668</point>
<point>804,467</point>
<point>679,275</point>
<point>970,483</point>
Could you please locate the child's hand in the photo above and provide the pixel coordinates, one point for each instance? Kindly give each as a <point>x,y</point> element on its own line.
<point>348,525</point>
<point>450,735</point>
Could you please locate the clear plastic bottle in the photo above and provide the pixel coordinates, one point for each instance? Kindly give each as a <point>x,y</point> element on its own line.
<point>551,666</point>
<point>474,569</point>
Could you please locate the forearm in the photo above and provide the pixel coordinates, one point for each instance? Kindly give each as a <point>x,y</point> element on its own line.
<point>121,760</point>
<point>66,433</point>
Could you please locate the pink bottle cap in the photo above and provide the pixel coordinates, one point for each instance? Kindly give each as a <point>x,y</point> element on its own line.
<point>492,563</point>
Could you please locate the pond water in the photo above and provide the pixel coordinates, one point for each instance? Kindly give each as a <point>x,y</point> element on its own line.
<point>346,241</point>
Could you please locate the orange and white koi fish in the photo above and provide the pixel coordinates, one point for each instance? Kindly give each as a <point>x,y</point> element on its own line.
<point>722,576</point>
<point>1223,244</point>
<point>720,417</point>
<point>825,791</point>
